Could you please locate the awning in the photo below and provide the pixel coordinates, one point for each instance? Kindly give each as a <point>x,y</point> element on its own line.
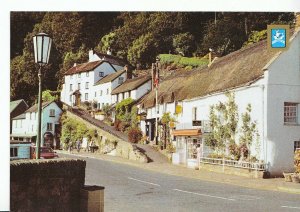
<point>188,132</point>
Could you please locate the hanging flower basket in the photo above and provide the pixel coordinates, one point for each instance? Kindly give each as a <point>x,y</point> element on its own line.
<point>287,177</point>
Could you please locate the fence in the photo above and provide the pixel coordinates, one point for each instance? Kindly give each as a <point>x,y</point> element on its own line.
<point>234,163</point>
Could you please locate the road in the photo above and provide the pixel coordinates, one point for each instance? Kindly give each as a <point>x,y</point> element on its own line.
<point>128,188</point>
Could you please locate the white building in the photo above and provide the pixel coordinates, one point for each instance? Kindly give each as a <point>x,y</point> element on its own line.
<point>269,81</point>
<point>134,88</point>
<point>79,80</point>
<point>24,126</point>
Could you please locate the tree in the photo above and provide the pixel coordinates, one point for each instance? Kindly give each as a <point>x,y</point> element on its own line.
<point>248,132</point>
<point>48,95</point>
<point>183,43</point>
<point>143,50</point>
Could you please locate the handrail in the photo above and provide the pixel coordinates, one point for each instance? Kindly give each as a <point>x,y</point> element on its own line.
<point>234,163</point>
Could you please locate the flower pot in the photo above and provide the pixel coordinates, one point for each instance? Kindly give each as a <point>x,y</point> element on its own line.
<point>287,177</point>
<point>295,178</point>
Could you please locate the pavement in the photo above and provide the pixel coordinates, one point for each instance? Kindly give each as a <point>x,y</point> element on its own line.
<point>272,184</point>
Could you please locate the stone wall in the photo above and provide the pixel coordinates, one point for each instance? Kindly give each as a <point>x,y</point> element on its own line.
<point>234,171</point>
<point>46,185</point>
<point>124,149</point>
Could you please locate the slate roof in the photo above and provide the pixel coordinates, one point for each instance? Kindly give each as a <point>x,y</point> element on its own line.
<point>233,70</point>
<point>14,104</point>
<point>131,84</point>
<point>112,59</point>
<point>110,77</point>
<point>34,108</point>
<point>21,116</point>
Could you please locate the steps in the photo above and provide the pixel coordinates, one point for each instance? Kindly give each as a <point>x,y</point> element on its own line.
<point>151,153</point>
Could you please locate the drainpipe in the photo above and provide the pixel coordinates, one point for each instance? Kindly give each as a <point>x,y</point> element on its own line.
<point>263,124</point>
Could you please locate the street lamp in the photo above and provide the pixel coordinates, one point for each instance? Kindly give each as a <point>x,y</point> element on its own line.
<point>42,46</point>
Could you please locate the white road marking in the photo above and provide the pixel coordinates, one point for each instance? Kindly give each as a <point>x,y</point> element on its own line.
<point>130,178</point>
<point>245,197</point>
<point>205,195</point>
<point>290,207</point>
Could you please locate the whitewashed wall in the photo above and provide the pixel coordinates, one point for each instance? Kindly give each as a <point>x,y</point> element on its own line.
<point>283,86</point>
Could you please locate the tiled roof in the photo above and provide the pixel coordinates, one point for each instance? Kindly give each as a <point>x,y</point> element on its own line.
<point>233,70</point>
<point>84,67</point>
<point>14,104</point>
<point>34,108</point>
<point>21,116</point>
<point>110,77</point>
<point>131,84</point>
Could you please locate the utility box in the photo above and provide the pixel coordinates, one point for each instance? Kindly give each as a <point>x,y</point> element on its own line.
<point>92,199</point>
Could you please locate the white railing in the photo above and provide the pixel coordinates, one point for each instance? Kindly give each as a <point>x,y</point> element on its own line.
<point>234,163</point>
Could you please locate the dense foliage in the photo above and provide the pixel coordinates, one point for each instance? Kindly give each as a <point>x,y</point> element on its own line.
<point>135,36</point>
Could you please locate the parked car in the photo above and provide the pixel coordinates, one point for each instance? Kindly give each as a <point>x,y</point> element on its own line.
<point>45,153</point>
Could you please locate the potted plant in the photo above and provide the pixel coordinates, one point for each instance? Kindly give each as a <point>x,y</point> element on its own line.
<point>100,116</point>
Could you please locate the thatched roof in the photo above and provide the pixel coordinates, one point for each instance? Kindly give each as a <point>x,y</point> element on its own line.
<point>112,59</point>
<point>110,77</point>
<point>233,70</point>
<point>131,84</point>
<point>34,108</point>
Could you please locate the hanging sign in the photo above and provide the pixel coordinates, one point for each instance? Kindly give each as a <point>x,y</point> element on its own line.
<point>178,109</point>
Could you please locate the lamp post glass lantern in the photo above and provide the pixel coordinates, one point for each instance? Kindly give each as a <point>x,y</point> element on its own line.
<point>42,46</point>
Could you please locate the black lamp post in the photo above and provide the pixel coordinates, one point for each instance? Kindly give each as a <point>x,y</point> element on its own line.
<point>42,46</point>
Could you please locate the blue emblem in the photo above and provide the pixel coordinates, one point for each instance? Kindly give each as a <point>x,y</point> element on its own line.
<point>278,38</point>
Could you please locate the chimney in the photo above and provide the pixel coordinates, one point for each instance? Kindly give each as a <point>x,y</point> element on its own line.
<point>128,72</point>
<point>91,55</point>
<point>153,74</point>
<point>108,51</point>
<point>210,57</point>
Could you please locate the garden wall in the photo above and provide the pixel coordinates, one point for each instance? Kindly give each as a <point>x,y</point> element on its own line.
<point>46,185</point>
<point>124,149</point>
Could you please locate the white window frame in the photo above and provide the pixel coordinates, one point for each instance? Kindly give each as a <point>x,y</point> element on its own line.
<point>86,96</point>
<point>101,74</point>
<point>290,113</point>
<point>121,80</point>
<point>70,98</point>
<point>87,85</point>
<point>87,74</point>
<point>71,87</point>
<point>79,75</point>
<point>101,92</point>
<point>194,114</point>
<point>14,151</point>
<point>296,145</point>
<point>78,86</point>
<point>49,126</point>
<point>52,113</point>
<point>107,91</point>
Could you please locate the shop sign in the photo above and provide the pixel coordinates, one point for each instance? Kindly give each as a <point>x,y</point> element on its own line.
<point>197,123</point>
<point>178,109</point>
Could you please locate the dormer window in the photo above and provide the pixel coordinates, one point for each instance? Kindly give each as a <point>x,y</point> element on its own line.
<point>101,74</point>
<point>79,75</point>
<point>121,80</point>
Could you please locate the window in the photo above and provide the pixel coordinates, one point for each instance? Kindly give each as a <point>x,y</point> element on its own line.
<point>86,85</point>
<point>86,96</point>
<point>14,152</point>
<point>102,105</point>
<point>95,94</point>
<point>31,128</point>
<point>52,113</point>
<point>194,113</point>
<point>49,126</point>
<point>107,91</point>
<point>296,145</point>
<point>121,79</point>
<point>71,76</point>
<point>129,93</point>
<point>79,75</point>
<point>78,86</point>
<point>71,89</point>
<point>290,113</point>
<point>15,123</point>
<point>101,74</point>
<point>31,116</point>
<point>87,74</point>
<point>70,98</point>
<point>101,93</point>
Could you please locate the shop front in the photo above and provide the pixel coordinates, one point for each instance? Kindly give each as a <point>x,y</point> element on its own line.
<point>188,147</point>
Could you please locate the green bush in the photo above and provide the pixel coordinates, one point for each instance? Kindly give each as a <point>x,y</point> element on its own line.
<point>135,135</point>
<point>179,61</point>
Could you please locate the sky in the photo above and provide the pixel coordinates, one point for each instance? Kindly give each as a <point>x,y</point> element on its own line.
<point>100,5</point>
